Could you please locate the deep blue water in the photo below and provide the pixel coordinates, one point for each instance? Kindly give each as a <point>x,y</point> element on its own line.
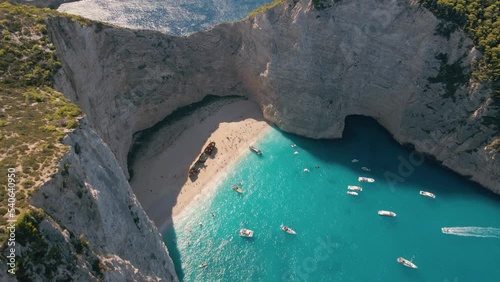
<point>339,237</point>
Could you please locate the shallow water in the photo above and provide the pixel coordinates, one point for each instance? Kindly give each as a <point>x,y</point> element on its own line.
<point>339,237</point>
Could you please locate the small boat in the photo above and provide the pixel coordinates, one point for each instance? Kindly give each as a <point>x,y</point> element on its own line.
<point>237,189</point>
<point>387,213</point>
<point>306,170</point>
<point>365,168</point>
<point>406,263</point>
<point>352,193</point>
<point>295,153</point>
<point>288,230</point>
<point>354,188</point>
<point>255,150</point>
<point>203,265</point>
<point>365,179</point>
<point>246,233</point>
<point>445,230</point>
<point>427,194</point>
<point>354,161</point>
<point>293,145</point>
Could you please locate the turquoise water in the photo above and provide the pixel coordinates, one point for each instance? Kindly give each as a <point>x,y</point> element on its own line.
<point>339,237</point>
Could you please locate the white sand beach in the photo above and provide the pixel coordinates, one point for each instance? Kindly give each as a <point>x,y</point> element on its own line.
<point>161,181</point>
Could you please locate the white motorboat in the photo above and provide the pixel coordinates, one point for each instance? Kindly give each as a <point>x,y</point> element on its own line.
<point>237,189</point>
<point>365,168</point>
<point>255,150</point>
<point>306,170</point>
<point>246,233</point>
<point>288,230</point>
<point>386,213</point>
<point>295,153</point>
<point>293,145</point>
<point>445,230</point>
<point>352,193</point>
<point>204,264</point>
<point>427,194</point>
<point>365,179</point>
<point>406,262</point>
<point>354,188</point>
<point>354,161</point>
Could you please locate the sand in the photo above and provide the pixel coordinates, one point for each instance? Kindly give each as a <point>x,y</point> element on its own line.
<point>161,181</point>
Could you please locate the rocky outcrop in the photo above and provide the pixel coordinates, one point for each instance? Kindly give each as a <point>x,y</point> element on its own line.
<point>95,228</point>
<point>53,4</point>
<point>308,69</point>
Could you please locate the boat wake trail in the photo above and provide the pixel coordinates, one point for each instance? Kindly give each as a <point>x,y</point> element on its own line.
<point>483,232</point>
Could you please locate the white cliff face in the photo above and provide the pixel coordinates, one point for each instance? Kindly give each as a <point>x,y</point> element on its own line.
<point>307,69</point>
<point>91,196</point>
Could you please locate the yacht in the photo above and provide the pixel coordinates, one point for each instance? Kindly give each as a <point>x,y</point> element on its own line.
<point>354,188</point>
<point>365,168</point>
<point>365,179</point>
<point>203,265</point>
<point>237,189</point>
<point>387,213</point>
<point>255,150</point>
<point>427,194</point>
<point>246,233</point>
<point>352,193</point>
<point>406,262</point>
<point>288,230</point>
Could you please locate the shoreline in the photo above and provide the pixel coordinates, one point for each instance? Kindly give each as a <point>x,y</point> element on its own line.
<point>161,182</point>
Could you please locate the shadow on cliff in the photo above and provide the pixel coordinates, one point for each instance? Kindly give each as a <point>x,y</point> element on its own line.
<point>392,165</point>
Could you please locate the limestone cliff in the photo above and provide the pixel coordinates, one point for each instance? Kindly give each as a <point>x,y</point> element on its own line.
<point>307,68</point>
<point>96,229</point>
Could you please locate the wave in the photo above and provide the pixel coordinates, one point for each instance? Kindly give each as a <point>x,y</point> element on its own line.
<point>472,231</point>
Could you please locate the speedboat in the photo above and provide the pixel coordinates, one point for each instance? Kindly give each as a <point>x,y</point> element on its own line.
<point>445,230</point>
<point>255,150</point>
<point>237,189</point>
<point>427,194</point>
<point>365,168</point>
<point>293,145</point>
<point>406,262</point>
<point>365,179</point>
<point>306,170</point>
<point>203,265</point>
<point>387,213</point>
<point>288,230</point>
<point>354,188</point>
<point>246,233</point>
<point>352,193</point>
<point>354,161</point>
<point>295,153</point>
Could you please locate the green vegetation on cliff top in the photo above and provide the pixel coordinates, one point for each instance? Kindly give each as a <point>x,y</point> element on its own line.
<point>33,116</point>
<point>480,19</point>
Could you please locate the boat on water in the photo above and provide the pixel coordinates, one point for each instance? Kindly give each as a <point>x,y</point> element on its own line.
<point>204,264</point>
<point>406,262</point>
<point>352,193</point>
<point>365,168</point>
<point>365,179</point>
<point>427,194</point>
<point>306,170</point>
<point>445,230</point>
<point>237,189</point>
<point>287,229</point>
<point>246,233</point>
<point>354,161</point>
<point>386,213</point>
<point>255,150</point>
<point>354,188</point>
